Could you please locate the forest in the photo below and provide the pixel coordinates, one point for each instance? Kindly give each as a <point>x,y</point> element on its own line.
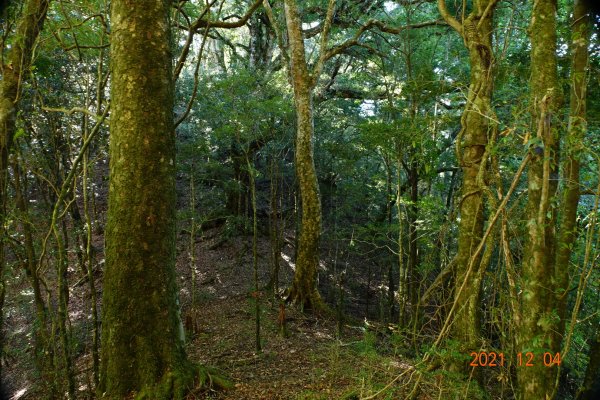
<point>300,199</point>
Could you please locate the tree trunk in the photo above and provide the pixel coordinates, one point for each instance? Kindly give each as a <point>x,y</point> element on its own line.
<point>276,225</point>
<point>40,333</point>
<point>260,45</point>
<point>413,244</point>
<point>538,284</point>
<point>402,267</point>
<point>472,140</point>
<point>13,74</point>
<point>573,150</point>
<point>142,335</point>
<point>304,286</point>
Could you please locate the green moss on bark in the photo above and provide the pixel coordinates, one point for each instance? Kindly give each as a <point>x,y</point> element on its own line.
<point>477,127</point>
<point>304,286</point>
<point>141,342</point>
<point>539,318</point>
<point>177,385</point>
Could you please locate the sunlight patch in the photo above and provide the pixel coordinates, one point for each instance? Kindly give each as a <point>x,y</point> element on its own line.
<point>288,260</point>
<point>19,394</point>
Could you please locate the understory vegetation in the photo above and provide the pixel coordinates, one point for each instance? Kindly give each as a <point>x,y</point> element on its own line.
<point>281,199</point>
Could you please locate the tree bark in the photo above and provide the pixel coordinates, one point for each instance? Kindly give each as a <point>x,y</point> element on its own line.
<point>261,43</point>
<point>539,320</point>
<point>573,149</point>
<point>477,126</point>
<point>413,242</point>
<point>142,335</point>
<point>304,286</point>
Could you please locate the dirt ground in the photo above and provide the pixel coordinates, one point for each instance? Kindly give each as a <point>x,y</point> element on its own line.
<point>311,362</point>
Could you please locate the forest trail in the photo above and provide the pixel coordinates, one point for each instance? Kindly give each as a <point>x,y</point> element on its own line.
<point>310,363</point>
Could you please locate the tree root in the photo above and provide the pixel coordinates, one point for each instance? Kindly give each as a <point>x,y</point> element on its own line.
<point>176,385</point>
<point>312,303</point>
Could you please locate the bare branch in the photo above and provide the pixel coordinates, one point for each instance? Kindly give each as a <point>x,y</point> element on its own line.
<point>322,46</point>
<point>278,34</point>
<point>487,10</point>
<point>202,23</point>
<point>349,93</point>
<point>188,42</point>
<point>453,22</point>
<point>73,111</point>
<point>383,28</point>
<point>80,47</point>
<point>196,83</point>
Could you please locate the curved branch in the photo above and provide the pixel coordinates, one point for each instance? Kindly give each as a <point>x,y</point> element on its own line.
<point>371,24</point>
<point>188,43</point>
<point>322,46</point>
<point>453,22</point>
<point>278,34</point>
<point>202,23</point>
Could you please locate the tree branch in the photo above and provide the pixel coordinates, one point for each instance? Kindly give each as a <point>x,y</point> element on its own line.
<point>322,46</point>
<point>348,93</point>
<point>383,28</point>
<point>188,42</point>
<point>278,35</point>
<point>487,10</point>
<point>202,23</point>
<point>453,22</point>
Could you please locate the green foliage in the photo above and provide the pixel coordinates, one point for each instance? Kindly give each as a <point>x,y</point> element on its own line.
<point>236,226</point>
<point>368,345</point>
<point>409,90</point>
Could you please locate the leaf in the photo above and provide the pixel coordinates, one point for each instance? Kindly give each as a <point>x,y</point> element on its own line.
<point>20,132</point>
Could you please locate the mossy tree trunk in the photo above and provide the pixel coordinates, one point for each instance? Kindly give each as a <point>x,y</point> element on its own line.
<point>477,126</point>
<point>539,319</point>
<point>14,73</point>
<point>142,338</point>
<point>573,152</point>
<point>304,286</point>
<point>261,41</point>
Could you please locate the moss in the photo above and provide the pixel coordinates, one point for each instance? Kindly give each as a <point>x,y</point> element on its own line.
<point>472,154</point>
<point>178,384</point>
<point>538,275</point>
<point>140,336</point>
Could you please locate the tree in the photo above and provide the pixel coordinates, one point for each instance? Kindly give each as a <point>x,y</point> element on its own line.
<point>539,287</point>
<point>304,79</point>
<point>142,335</point>
<point>13,74</point>
<point>304,287</point>
<point>573,150</point>
<point>477,127</point>
<point>591,382</point>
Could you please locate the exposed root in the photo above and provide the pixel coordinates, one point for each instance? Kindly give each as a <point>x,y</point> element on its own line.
<point>313,302</point>
<point>176,385</point>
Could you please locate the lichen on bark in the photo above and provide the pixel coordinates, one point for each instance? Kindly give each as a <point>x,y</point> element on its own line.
<point>141,345</point>
<point>538,301</point>
<point>304,286</point>
<point>477,128</point>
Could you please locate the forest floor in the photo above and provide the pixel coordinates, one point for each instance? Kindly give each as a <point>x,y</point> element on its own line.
<point>311,362</point>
